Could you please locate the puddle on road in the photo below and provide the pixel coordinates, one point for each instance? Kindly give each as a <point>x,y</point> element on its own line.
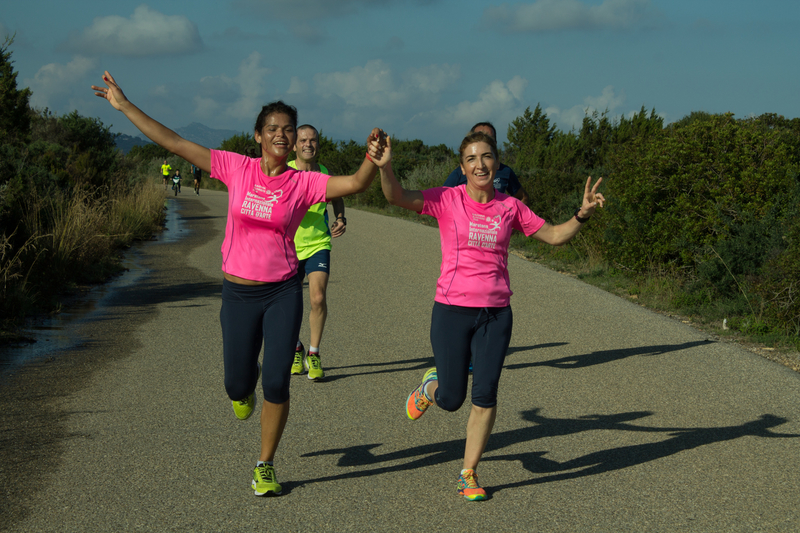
<point>57,333</point>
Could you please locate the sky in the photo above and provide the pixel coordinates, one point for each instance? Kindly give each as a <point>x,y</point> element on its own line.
<point>419,69</point>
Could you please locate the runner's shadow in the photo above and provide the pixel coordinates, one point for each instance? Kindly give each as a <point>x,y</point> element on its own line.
<point>600,462</point>
<point>423,363</point>
<point>595,463</point>
<point>608,356</point>
<point>515,349</point>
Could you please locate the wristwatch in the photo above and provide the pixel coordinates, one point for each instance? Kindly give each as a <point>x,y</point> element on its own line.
<point>580,219</point>
<point>344,220</point>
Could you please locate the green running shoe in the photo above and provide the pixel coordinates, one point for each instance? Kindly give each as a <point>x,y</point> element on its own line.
<point>314,366</point>
<point>264,481</point>
<point>244,408</point>
<point>297,365</point>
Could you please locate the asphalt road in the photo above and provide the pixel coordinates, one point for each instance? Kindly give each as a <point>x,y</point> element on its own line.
<point>611,417</point>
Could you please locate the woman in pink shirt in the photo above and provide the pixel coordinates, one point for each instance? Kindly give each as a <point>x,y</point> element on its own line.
<point>471,315</point>
<point>262,299</point>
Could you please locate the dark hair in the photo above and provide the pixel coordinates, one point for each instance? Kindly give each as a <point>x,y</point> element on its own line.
<point>477,137</point>
<point>488,125</point>
<point>306,127</point>
<point>277,107</point>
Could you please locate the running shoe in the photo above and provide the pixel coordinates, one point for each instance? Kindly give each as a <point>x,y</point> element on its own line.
<point>244,408</point>
<point>264,481</point>
<point>314,366</point>
<point>417,403</point>
<point>297,366</point>
<point>468,486</point>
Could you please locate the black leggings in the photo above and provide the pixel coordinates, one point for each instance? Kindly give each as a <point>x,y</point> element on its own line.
<point>252,313</point>
<point>461,333</point>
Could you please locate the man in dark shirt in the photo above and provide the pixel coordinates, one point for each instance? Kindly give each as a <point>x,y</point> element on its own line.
<point>505,181</point>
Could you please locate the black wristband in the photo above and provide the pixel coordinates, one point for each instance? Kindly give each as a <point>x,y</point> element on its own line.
<point>344,220</point>
<point>581,219</point>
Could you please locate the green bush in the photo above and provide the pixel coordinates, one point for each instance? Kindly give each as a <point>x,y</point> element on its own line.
<point>676,195</point>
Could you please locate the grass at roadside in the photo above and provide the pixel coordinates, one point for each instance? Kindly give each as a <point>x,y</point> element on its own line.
<point>74,240</point>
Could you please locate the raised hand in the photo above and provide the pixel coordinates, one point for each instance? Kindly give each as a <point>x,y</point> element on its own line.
<point>379,147</point>
<point>591,198</point>
<point>112,92</point>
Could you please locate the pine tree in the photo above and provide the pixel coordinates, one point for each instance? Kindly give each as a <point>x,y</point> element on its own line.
<point>15,122</point>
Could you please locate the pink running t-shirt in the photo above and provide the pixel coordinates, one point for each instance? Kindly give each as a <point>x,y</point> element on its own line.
<point>475,239</point>
<point>263,215</point>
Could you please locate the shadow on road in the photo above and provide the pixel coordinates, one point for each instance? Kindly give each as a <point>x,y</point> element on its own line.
<point>679,440</point>
<point>607,356</point>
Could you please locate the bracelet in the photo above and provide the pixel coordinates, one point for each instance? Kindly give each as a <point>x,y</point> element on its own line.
<point>344,220</point>
<point>582,220</point>
<point>368,157</point>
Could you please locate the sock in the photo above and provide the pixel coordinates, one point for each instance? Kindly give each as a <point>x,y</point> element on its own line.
<point>425,390</point>
<point>313,349</point>
<point>299,345</point>
<point>260,463</point>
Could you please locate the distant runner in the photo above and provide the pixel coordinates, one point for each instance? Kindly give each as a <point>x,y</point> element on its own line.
<point>197,174</point>
<point>165,168</point>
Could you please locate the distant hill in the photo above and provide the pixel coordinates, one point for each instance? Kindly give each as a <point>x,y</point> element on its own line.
<point>194,132</point>
<point>204,135</point>
<point>126,142</point>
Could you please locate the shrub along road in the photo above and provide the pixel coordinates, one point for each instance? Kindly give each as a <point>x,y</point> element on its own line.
<point>611,417</point>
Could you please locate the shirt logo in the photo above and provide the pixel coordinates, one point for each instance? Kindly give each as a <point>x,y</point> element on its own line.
<point>258,206</point>
<point>483,230</point>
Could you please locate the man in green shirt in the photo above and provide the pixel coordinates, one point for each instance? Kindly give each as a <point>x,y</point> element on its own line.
<point>165,168</point>
<point>313,244</point>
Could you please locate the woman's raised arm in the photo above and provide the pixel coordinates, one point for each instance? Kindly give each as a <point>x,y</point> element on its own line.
<point>198,155</point>
<point>395,193</point>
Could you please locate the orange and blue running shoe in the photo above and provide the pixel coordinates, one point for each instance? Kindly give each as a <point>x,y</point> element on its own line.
<point>417,403</point>
<point>468,486</point>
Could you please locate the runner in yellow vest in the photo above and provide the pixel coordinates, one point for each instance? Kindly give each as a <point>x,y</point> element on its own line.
<point>313,244</point>
<point>165,168</point>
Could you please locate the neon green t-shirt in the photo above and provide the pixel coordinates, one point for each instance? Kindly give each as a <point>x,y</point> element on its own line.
<point>165,169</point>
<point>313,234</point>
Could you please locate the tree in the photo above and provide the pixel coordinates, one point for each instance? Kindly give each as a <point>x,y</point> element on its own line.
<point>528,138</point>
<point>15,122</point>
<point>241,143</point>
<point>148,152</point>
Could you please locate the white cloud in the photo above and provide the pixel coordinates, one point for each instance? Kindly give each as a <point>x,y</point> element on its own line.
<point>498,103</point>
<point>571,118</point>
<point>146,33</point>
<point>54,82</point>
<point>235,98</point>
<point>297,86</point>
<point>558,15</point>
<point>375,85</point>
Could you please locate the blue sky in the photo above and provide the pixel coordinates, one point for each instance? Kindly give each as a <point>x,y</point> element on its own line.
<point>420,69</point>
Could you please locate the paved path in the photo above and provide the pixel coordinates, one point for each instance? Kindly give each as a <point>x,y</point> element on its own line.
<point>612,418</point>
